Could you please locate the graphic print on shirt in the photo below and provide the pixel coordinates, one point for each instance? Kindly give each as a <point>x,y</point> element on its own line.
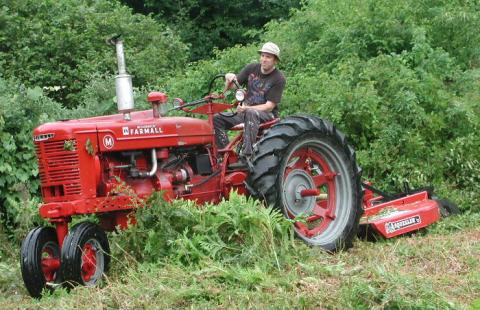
<point>258,88</point>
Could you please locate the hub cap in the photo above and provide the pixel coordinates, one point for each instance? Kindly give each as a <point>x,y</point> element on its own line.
<point>50,261</point>
<point>92,262</point>
<point>297,181</point>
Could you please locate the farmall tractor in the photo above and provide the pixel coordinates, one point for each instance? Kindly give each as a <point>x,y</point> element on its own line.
<point>302,165</point>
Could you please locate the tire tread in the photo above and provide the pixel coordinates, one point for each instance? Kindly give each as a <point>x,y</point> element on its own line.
<point>262,182</point>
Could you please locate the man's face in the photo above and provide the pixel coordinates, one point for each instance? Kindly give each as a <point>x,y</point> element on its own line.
<point>267,61</point>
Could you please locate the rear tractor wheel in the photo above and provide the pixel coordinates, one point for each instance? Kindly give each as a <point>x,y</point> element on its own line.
<point>85,255</point>
<point>304,167</point>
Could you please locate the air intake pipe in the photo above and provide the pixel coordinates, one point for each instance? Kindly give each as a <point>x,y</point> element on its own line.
<point>123,81</point>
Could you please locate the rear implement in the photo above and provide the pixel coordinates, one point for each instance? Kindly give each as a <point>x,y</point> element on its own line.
<point>398,214</point>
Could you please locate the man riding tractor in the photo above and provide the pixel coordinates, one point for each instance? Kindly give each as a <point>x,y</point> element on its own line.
<point>265,84</point>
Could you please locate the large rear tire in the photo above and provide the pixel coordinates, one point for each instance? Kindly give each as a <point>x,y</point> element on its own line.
<point>304,167</point>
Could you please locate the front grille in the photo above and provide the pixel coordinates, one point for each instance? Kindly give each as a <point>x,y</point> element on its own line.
<point>59,168</point>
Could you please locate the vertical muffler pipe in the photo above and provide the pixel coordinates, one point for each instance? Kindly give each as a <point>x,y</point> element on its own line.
<point>123,81</point>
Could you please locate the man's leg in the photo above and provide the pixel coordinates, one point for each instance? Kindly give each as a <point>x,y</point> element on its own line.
<point>253,119</point>
<point>222,123</point>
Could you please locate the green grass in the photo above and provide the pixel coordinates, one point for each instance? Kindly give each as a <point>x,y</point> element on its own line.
<point>436,269</point>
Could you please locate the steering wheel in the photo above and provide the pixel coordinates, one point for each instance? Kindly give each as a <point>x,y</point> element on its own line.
<point>238,90</point>
<point>211,84</point>
<point>179,104</point>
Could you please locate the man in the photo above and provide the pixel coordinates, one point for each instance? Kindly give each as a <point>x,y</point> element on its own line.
<point>265,84</point>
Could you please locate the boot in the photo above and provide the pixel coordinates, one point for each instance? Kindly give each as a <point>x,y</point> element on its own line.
<point>241,164</point>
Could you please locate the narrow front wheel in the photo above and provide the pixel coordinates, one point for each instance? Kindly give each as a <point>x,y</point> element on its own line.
<point>40,260</point>
<point>85,255</point>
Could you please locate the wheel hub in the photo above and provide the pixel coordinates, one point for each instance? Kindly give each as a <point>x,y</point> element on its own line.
<point>296,182</point>
<point>50,262</point>
<point>92,265</point>
<point>89,261</point>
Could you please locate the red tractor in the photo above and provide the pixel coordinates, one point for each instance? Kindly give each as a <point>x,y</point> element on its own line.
<point>302,165</point>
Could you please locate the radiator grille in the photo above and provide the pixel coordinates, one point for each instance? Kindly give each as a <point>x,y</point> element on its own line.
<point>59,168</point>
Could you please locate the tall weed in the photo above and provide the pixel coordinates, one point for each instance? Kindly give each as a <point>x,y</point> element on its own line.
<point>239,232</point>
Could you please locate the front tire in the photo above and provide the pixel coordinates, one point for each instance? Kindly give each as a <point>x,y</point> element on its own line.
<point>85,255</point>
<point>304,167</point>
<point>40,260</point>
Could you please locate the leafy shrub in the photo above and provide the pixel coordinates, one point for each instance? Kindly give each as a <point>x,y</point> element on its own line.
<point>21,110</point>
<point>59,44</point>
<point>239,231</point>
<point>99,98</point>
<point>192,83</point>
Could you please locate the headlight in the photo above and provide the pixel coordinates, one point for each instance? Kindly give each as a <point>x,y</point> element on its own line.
<point>240,95</point>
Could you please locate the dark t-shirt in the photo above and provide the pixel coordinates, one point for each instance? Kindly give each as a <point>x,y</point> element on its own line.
<point>262,87</point>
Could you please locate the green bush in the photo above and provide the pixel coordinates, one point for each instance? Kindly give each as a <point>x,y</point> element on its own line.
<point>21,110</point>
<point>192,83</point>
<point>60,44</point>
<point>98,97</point>
<point>237,232</point>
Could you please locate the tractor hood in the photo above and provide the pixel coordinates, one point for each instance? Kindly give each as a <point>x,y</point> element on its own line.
<point>142,132</point>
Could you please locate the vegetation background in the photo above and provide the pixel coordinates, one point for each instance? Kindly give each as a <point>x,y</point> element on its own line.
<point>400,78</point>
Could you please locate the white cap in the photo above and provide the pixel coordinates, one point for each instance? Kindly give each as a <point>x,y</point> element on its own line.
<point>270,48</point>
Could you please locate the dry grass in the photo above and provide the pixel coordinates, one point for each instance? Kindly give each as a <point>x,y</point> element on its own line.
<point>436,270</point>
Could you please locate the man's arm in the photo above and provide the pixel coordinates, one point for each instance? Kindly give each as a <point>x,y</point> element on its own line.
<point>241,77</point>
<point>266,107</point>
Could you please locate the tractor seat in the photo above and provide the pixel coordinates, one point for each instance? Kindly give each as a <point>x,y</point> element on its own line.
<point>263,125</point>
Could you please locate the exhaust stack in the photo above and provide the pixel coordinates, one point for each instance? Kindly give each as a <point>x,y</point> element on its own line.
<point>123,81</point>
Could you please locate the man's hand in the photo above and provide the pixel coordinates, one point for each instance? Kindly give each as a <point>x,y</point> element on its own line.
<point>229,77</point>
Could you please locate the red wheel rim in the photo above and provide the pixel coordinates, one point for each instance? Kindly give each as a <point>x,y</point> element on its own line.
<point>50,262</point>
<point>89,262</point>
<point>312,176</point>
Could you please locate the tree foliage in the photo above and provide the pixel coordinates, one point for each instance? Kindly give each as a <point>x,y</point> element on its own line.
<point>21,110</point>
<point>58,45</point>
<point>206,25</point>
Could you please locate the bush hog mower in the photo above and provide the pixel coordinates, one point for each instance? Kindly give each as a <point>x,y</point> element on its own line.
<point>301,165</point>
